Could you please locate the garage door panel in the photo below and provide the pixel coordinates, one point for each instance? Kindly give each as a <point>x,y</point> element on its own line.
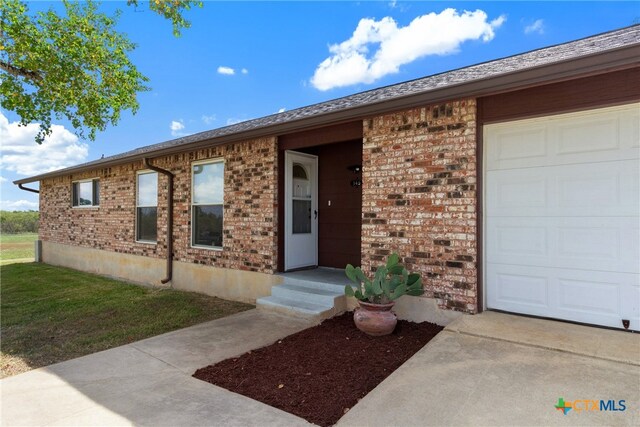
<point>588,190</point>
<point>601,243</point>
<point>596,189</point>
<point>592,189</point>
<point>578,295</point>
<point>516,190</point>
<point>562,218</point>
<point>600,296</point>
<point>588,243</point>
<point>630,306</point>
<point>526,144</point>
<point>514,287</point>
<point>588,296</point>
<point>601,136</point>
<point>630,129</point>
<point>584,137</point>
<point>518,238</point>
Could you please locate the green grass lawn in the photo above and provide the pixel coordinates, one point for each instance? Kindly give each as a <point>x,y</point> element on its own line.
<point>51,314</point>
<point>16,247</point>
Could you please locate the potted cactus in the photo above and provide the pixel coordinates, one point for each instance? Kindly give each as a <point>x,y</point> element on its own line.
<point>376,296</point>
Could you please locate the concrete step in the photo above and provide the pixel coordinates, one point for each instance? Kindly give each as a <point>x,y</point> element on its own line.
<point>310,299</point>
<point>333,287</point>
<point>296,308</point>
<point>307,293</point>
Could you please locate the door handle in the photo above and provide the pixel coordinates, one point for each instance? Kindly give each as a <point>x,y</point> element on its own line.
<point>315,214</point>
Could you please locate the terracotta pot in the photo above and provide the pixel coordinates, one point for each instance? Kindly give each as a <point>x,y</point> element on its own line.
<point>375,319</point>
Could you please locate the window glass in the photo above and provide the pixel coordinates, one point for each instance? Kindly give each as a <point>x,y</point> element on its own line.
<point>301,217</point>
<point>147,207</point>
<point>208,183</point>
<point>207,225</point>
<point>86,193</point>
<point>207,209</point>
<point>299,171</point>
<point>147,224</point>
<point>147,189</point>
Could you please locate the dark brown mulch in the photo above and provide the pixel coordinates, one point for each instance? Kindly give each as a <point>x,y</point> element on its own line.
<point>321,372</point>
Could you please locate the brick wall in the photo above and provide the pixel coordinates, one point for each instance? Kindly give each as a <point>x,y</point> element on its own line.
<point>419,183</point>
<point>250,208</point>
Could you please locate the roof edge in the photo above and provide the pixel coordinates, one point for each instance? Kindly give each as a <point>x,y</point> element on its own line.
<point>598,63</point>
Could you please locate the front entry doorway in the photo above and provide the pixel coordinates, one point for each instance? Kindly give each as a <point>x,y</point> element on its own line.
<point>301,210</point>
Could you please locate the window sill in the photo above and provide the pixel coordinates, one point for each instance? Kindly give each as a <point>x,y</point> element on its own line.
<point>86,207</point>
<point>147,242</point>
<point>208,248</point>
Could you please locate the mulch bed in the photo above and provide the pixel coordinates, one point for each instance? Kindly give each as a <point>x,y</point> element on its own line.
<point>321,372</point>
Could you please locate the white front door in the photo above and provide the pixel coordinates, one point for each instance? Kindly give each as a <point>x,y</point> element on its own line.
<point>301,210</point>
<point>561,216</point>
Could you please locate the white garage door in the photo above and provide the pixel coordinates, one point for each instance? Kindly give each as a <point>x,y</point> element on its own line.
<point>562,210</point>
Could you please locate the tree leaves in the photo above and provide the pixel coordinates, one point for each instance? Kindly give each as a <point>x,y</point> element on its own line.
<point>75,66</point>
<point>171,10</point>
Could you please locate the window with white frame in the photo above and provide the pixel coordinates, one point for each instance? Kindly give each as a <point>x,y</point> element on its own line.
<point>147,207</point>
<point>207,186</point>
<point>85,193</point>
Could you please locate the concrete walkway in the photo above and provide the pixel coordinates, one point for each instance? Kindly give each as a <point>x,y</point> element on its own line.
<point>149,382</point>
<point>490,369</point>
<point>496,369</point>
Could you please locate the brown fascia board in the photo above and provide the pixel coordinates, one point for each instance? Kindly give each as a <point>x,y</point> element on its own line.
<point>598,63</point>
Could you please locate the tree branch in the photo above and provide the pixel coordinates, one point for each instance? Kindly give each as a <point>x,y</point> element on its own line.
<point>20,72</point>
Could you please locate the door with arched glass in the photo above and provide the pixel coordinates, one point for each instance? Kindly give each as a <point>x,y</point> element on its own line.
<point>301,210</point>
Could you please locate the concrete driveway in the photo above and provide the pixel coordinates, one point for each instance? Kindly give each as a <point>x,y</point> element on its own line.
<point>495,369</point>
<point>490,369</point>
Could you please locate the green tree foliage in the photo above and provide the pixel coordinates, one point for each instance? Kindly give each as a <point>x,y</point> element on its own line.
<point>74,66</point>
<point>19,222</point>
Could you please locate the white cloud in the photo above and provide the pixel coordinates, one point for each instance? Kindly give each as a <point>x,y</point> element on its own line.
<point>228,71</point>
<point>18,205</point>
<point>431,34</point>
<point>282,110</point>
<point>3,179</point>
<point>536,27</point>
<point>208,119</point>
<point>22,155</point>
<point>176,126</point>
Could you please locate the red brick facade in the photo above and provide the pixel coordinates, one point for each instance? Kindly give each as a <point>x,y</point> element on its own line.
<point>419,183</point>
<point>249,209</point>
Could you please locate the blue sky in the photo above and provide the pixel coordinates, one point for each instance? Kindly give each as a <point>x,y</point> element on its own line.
<point>244,60</point>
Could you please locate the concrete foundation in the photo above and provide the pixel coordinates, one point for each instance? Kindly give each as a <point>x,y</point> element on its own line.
<point>37,250</point>
<point>421,309</point>
<point>236,285</point>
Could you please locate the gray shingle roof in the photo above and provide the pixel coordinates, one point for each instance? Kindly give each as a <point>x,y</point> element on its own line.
<point>612,40</point>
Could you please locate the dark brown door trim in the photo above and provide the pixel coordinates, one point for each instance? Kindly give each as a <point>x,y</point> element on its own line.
<point>619,87</point>
<point>479,207</point>
<point>321,136</point>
